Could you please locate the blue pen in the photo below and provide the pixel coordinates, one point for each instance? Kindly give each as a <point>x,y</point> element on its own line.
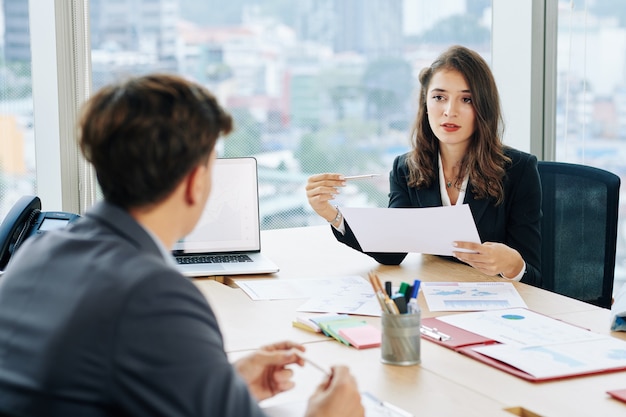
<point>413,307</point>
<point>416,288</point>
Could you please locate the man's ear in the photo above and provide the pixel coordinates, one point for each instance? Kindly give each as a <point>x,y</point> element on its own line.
<point>195,185</point>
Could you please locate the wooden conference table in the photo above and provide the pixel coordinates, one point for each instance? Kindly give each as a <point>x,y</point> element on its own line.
<point>446,383</point>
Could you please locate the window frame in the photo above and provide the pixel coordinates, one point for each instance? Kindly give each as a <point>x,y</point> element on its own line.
<point>61,77</point>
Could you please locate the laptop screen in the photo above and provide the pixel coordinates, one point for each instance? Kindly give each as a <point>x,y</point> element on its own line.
<point>230,221</point>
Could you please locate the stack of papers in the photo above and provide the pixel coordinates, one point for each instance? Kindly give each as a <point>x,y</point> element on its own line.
<point>542,347</point>
<point>349,295</point>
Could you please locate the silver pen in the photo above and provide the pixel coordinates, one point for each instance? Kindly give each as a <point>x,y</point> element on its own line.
<point>361,177</point>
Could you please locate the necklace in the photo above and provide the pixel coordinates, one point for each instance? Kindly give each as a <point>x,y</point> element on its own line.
<point>450,184</point>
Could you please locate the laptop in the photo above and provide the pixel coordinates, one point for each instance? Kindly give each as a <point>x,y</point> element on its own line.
<point>227,238</point>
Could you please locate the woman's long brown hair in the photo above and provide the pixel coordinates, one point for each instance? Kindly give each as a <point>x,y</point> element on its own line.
<point>485,161</point>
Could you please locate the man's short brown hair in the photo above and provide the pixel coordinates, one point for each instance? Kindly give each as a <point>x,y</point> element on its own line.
<point>145,134</point>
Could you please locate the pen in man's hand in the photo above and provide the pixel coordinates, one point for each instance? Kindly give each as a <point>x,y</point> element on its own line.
<point>360,177</point>
<point>315,365</point>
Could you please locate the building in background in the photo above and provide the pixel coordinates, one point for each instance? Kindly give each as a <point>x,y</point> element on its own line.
<point>133,37</point>
<point>16,30</point>
<point>372,28</point>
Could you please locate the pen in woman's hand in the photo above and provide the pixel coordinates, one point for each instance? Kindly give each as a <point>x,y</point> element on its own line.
<point>360,177</point>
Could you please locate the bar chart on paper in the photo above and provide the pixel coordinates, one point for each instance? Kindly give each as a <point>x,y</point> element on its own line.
<point>471,296</point>
<point>467,305</point>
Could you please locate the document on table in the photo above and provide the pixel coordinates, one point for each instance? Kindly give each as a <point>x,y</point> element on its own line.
<point>564,359</point>
<point>540,345</point>
<point>348,294</point>
<point>519,326</point>
<point>429,230</point>
<point>471,296</point>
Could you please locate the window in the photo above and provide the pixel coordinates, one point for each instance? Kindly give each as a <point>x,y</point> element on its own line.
<point>314,85</point>
<point>591,94</point>
<point>17,150</point>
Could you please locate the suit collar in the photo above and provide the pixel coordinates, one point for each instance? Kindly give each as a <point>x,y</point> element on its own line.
<point>122,223</point>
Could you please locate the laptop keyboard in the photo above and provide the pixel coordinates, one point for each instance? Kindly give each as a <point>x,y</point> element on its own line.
<point>212,259</point>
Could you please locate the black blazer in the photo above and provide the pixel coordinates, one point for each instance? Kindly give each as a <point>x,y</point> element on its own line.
<point>515,222</point>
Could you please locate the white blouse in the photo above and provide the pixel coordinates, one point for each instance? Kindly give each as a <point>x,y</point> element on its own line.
<point>445,199</point>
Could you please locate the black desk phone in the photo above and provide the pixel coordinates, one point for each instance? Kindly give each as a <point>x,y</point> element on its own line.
<point>26,219</point>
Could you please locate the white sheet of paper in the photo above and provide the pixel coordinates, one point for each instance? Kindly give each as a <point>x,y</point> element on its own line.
<point>519,327</point>
<point>429,230</point>
<point>561,359</point>
<point>349,295</point>
<point>362,303</point>
<point>285,289</point>
<point>471,296</point>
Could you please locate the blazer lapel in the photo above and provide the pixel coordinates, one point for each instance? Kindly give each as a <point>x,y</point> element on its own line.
<point>478,207</point>
<point>428,197</point>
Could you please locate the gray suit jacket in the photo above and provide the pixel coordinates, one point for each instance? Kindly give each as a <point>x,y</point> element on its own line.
<point>94,322</point>
<point>516,222</point>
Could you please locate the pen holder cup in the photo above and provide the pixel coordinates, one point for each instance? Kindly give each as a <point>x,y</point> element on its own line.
<point>400,344</point>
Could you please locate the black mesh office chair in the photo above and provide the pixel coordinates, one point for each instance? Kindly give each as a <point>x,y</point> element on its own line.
<point>579,231</point>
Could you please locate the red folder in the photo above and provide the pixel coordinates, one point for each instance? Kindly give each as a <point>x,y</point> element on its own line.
<point>618,394</point>
<point>463,341</point>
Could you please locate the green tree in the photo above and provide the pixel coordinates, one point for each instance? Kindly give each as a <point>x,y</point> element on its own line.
<point>337,148</point>
<point>343,85</point>
<point>15,80</point>
<point>245,140</point>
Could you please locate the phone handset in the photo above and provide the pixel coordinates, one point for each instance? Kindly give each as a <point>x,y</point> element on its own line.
<point>26,219</point>
<point>14,228</point>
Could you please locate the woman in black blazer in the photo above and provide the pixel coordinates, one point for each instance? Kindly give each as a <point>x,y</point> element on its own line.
<point>458,157</point>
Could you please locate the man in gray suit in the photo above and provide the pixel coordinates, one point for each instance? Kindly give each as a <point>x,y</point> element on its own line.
<point>96,321</point>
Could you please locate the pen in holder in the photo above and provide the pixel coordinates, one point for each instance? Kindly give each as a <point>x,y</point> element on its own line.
<point>400,344</point>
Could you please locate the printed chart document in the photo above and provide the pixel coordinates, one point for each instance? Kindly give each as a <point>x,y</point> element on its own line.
<point>349,294</point>
<point>471,296</point>
<point>288,289</point>
<point>541,346</point>
<point>429,230</point>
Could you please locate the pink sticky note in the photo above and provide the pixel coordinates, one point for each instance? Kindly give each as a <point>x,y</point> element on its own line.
<point>361,337</point>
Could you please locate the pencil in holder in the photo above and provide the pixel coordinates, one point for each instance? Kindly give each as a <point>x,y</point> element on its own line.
<point>400,344</point>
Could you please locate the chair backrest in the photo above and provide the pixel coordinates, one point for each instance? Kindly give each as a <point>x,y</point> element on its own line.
<point>579,230</point>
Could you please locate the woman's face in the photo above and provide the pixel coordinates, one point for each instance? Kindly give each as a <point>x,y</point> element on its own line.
<point>451,114</point>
